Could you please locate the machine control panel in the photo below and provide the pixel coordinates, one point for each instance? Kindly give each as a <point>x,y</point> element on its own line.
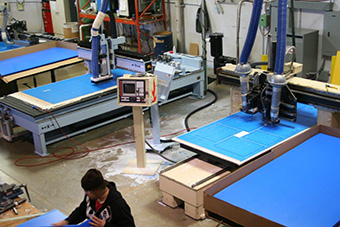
<point>137,90</point>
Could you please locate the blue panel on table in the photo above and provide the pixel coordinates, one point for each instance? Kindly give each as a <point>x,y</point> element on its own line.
<point>299,188</point>
<point>34,60</point>
<point>5,46</point>
<point>45,219</point>
<point>242,136</point>
<point>73,88</point>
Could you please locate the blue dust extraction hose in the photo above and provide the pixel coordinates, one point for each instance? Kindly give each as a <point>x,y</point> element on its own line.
<point>253,26</point>
<point>278,80</point>
<point>243,67</point>
<point>96,38</point>
<point>281,37</point>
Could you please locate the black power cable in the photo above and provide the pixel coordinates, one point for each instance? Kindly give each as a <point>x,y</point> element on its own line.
<point>190,114</point>
<point>198,109</point>
<point>154,151</point>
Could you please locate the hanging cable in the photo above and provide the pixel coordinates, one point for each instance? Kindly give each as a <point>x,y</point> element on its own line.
<point>198,109</point>
<point>238,23</point>
<point>316,75</point>
<point>292,18</point>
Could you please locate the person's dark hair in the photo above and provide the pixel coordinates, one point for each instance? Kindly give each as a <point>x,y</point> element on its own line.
<point>93,180</point>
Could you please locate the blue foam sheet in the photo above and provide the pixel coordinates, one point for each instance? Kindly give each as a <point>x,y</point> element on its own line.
<point>4,46</point>
<point>73,88</point>
<point>34,60</point>
<point>47,219</point>
<point>299,188</point>
<point>222,136</point>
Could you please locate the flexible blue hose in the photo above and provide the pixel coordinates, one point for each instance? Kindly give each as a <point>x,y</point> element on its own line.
<point>281,37</point>
<point>104,6</point>
<point>95,44</point>
<point>95,56</point>
<point>254,23</point>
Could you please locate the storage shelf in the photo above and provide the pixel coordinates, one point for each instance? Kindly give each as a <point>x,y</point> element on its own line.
<point>138,20</point>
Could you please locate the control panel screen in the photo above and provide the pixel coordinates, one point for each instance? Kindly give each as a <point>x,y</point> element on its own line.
<point>129,88</point>
<point>137,90</point>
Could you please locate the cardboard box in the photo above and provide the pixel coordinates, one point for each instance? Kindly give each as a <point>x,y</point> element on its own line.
<point>194,49</point>
<point>221,209</point>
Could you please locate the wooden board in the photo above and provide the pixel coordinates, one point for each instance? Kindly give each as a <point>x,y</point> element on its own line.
<point>191,172</point>
<point>42,69</point>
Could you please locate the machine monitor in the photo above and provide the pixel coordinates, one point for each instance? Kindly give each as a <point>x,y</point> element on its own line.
<point>140,90</point>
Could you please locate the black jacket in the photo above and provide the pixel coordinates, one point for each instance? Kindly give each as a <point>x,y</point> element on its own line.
<point>114,210</point>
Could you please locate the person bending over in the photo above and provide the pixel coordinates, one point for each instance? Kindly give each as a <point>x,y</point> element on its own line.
<point>102,203</point>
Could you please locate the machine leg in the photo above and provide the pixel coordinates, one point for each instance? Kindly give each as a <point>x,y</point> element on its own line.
<point>6,124</point>
<point>170,200</point>
<point>198,90</point>
<point>194,212</point>
<point>3,129</point>
<point>156,133</point>
<point>40,144</point>
<point>156,139</point>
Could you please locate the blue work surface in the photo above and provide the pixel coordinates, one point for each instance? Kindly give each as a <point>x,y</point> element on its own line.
<point>299,188</point>
<point>73,88</point>
<point>33,60</point>
<point>241,137</point>
<point>4,46</point>
<point>49,218</point>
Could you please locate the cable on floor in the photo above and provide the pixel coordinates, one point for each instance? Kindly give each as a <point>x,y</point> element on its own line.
<point>73,154</point>
<point>198,109</point>
<point>154,151</point>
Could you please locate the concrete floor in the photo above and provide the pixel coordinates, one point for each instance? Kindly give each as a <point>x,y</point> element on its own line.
<point>57,185</point>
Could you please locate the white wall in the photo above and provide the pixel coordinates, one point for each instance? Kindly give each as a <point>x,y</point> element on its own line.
<point>226,24</point>
<point>31,14</point>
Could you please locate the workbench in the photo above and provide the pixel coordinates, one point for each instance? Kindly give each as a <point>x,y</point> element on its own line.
<point>25,213</point>
<point>29,61</point>
<point>296,184</point>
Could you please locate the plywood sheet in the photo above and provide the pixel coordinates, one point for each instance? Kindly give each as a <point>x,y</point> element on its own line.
<point>192,172</point>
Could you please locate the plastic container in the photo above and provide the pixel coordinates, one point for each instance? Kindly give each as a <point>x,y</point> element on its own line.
<point>162,42</point>
<point>216,44</point>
